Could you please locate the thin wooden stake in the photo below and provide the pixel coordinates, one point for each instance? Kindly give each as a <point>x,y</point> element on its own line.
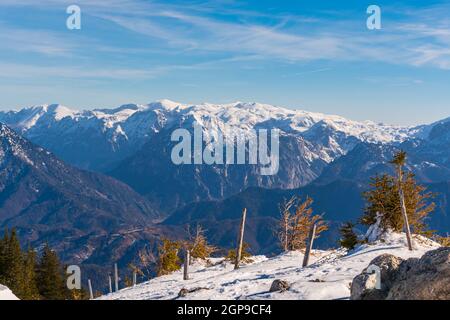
<point>312,234</point>
<point>110,284</point>
<point>134,278</point>
<point>186,265</point>
<point>240,240</point>
<point>90,289</point>
<point>403,207</point>
<point>116,277</point>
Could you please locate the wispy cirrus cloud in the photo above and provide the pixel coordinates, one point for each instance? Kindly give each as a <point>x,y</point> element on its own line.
<point>420,38</point>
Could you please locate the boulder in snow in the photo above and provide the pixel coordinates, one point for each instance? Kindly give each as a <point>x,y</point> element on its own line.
<point>427,278</point>
<point>279,286</point>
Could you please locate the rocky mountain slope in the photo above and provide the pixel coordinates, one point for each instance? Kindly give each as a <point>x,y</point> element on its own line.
<point>75,211</point>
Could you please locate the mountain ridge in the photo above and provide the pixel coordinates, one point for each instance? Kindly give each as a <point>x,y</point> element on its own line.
<point>50,201</point>
<point>132,143</point>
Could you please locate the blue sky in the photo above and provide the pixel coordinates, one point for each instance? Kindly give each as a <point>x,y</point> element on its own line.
<point>312,55</point>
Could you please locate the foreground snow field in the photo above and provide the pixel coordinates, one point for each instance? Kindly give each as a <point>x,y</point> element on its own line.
<point>327,277</point>
<point>6,294</point>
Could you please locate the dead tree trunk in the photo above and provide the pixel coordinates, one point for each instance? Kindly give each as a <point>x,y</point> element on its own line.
<point>134,278</point>
<point>403,207</point>
<point>116,277</point>
<point>91,295</point>
<point>186,266</point>
<point>312,234</point>
<point>286,233</point>
<point>240,240</point>
<point>110,284</point>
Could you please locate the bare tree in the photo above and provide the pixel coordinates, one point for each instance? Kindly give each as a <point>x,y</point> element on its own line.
<point>285,222</point>
<point>295,227</point>
<point>145,259</point>
<point>197,244</point>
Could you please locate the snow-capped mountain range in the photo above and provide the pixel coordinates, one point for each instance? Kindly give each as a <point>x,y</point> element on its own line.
<point>132,143</point>
<point>127,127</point>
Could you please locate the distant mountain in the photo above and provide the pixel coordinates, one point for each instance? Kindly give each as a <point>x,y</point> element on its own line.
<point>73,210</point>
<point>428,157</point>
<point>99,138</point>
<point>132,143</point>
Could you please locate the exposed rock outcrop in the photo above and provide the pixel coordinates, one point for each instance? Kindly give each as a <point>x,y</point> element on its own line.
<point>427,278</point>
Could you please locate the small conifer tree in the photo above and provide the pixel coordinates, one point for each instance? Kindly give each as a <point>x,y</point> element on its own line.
<point>50,281</point>
<point>245,255</point>
<point>349,239</point>
<point>168,260</point>
<point>13,273</point>
<point>383,198</point>
<point>31,291</point>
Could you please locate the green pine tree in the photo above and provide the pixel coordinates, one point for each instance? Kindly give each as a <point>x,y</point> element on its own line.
<point>3,250</point>
<point>31,291</point>
<point>383,198</point>
<point>13,274</point>
<point>246,256</point>
<point>50,281</point>
<point>168,261</point>
<point>349,239</point>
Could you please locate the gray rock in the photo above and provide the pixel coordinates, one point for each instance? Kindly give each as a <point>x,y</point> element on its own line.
<point>183,293</point>
<point>427,278</point>
<point>364,285</point>
<point>361,284</point>
<point>279,285</point>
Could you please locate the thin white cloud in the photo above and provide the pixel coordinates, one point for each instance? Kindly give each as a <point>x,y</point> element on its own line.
<point>19,71</point>
<point>421,38</point>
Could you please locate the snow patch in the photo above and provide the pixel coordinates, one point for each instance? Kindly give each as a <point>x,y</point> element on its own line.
<point>6,294</point>
<point>328,277</point>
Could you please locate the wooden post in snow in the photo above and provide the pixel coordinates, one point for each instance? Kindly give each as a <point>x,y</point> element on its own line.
<point>110,284</point>
<point>309,245</point>
<point>403,207</point>
<point>116,277</point>
<point>399,161</point>
<point>186,265</point>
<point>240,240</point>
<point>91,295</point>
<point>134,278</point>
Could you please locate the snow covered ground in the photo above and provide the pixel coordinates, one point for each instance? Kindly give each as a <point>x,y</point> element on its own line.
<point>6,294</point>
<point>327,277</point>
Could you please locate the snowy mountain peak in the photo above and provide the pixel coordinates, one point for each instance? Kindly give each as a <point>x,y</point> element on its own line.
<point>121,131</point>
<point>167,104</point>
<point>232,114</point>
<point>60,112</point>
